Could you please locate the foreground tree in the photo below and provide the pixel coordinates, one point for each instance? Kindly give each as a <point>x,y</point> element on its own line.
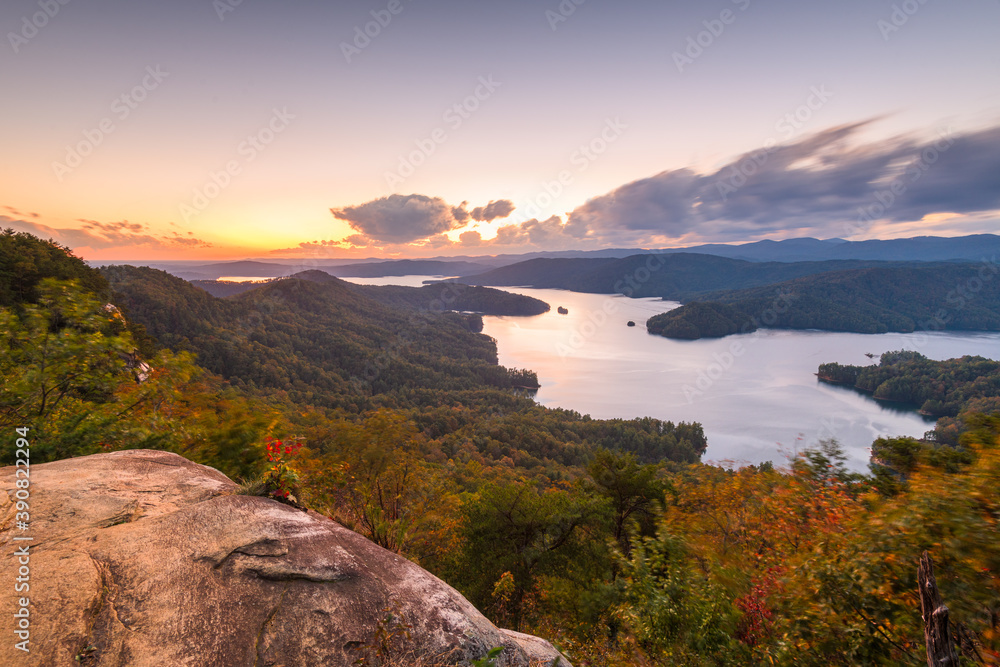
<point>70,373</point>
<point>514,534</point>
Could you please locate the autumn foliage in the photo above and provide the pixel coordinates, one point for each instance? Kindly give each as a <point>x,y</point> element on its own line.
<point>605,536</point>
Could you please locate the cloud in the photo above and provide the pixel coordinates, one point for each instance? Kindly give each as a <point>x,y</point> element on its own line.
<point>823,185</point>
<point>963,177</point>
<point>495,209</point>
<point>437,241</point>
<point>189,240</point>
<point>400,218</point>
<point>547,234</point>
<point>409,218</point>
<point>663,203</point>
<point>829,184</point>
<point>460,212</point>
<point>19,214</point>
<point>550,233</point>
<point>327,247</point>
<point>104,235</point>
<point>471,238</point>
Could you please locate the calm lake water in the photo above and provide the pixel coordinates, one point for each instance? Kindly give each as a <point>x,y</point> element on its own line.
<point>406,281</point>
<point>756,395</point>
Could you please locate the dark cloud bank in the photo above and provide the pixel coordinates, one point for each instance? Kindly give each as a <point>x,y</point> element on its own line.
<point>826,185</point>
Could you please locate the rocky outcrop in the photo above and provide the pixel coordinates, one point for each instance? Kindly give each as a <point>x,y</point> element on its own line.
<point>144,558</point>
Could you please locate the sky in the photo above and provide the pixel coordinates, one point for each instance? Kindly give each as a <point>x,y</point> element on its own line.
<point>225,129</point>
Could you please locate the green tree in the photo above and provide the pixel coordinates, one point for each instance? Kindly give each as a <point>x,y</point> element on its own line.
<point>676,611</point>
<point>65,347</point>
<point>633,491</point>
<point>70,373</point>
<point>522,529</point>
<point>26,260</point>
<point>61,359</point>
<point>825,464</point>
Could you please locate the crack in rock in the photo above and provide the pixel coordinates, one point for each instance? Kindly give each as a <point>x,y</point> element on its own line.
<point>263,627</point>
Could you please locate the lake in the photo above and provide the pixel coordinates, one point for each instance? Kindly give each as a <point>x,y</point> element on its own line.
<point>756,395</point>
<point>405,281</point>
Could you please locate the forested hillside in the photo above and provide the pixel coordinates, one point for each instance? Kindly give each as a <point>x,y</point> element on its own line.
<point>957,391</point>
<point>955,297</point>
<point>321,342</point>
<point>27,260</point>
<point>607,537</point>
<point>438,297</point>
<point>726,296</point>
<point>939,388</point>
<point>679,277</point>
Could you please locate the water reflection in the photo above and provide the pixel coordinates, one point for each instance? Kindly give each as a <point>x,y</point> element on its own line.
<point>890,406</point>
<point>406,281</point>
<point>756,395</point>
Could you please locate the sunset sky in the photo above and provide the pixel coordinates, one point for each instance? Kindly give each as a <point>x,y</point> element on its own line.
<point>221,129</point>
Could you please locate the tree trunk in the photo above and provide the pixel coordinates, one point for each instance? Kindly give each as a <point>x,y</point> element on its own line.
<point>940,651</point>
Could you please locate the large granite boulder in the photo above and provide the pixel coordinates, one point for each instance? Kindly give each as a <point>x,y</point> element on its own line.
<point>143,558</point>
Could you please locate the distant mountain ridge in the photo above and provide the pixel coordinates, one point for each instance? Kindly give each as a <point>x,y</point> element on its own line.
<point>255,269</point>
<point>677,277</point>
<point>917,249</point>
<point>405,267</point>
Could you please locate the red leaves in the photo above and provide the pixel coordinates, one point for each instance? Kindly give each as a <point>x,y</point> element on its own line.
<point>758,617</point>
<point>279,453</point>
<point>278,450</point>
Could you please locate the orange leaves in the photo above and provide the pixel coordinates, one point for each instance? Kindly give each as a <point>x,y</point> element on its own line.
<point>735,518</point>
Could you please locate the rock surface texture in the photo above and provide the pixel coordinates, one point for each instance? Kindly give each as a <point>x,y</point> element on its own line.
<point>144,558</point>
